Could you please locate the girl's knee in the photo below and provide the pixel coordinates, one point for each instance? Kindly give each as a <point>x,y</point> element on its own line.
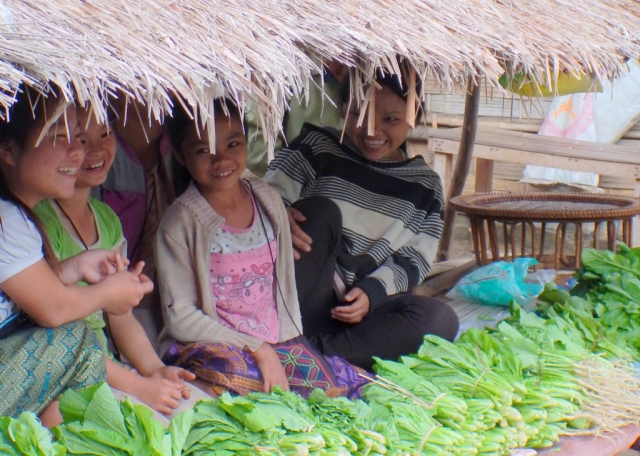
<point>320,209</point>
<point>435,317</point>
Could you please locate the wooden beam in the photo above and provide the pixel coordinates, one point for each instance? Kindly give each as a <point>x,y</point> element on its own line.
<point>461,171</point>
<point>442,283</point>
<point>484,175</point>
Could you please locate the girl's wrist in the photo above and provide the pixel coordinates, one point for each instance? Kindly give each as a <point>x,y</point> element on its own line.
<point>148,371</point>
<point>69,271</point>
<point>136,385</point>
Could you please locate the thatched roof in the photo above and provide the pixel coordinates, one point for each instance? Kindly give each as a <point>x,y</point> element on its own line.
<point>263,49</point>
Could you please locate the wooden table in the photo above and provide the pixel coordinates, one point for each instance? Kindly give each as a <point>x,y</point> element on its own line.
<point>526,215</point>
<point>493,145</point>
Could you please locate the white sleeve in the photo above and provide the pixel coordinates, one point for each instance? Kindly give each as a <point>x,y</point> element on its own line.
<point>20,241</point>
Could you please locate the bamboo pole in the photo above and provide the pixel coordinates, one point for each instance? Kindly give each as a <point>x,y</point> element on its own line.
<point>463,163</point>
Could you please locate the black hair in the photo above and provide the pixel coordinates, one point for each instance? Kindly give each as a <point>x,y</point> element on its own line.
<point>22,116</point>
<point>177,126</point>
<point>398,83</point>
<point>180,120</point>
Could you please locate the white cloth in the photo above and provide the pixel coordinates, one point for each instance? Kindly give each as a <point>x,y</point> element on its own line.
<point>20,247</point>
<point>598,117</point>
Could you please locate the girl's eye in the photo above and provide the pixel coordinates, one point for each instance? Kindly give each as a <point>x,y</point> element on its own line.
<point>391,119</point>
<point>353,113</point>
<point>203,150</point>
<point>106,134</point>
<point>233,144</point>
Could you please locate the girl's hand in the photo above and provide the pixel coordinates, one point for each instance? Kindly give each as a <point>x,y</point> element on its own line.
<point>92,266</point>
<point>176,375</point>
<point>301,240</point>
<point>270,367</point>
<point>356,311</point>
<point>127,289</point>
<point>158,393</point>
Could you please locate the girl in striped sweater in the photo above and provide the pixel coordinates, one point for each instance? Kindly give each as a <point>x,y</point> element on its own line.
<point>365,221</point>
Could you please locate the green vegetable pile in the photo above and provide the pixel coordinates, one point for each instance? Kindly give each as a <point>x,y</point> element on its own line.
<point>281,423</point>
<point>96,423</point>
<point>609,290</point>
<point>26,436</point>
<point>526,383</point>
<point>532,379</point>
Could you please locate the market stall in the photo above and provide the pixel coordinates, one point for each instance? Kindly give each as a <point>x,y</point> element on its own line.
<point>527,384</point>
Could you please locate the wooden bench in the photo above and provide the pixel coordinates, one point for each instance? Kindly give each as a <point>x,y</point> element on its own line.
<point>493,145</point>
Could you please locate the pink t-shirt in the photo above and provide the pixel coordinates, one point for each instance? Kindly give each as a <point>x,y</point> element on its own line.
<point>242,278</point>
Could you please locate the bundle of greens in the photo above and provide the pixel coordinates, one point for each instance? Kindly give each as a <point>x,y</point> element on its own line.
<point>526,383</point>
<point>25,435</point>
<point>96,423</point>
<point>282,423</point>
<point>610,282</point>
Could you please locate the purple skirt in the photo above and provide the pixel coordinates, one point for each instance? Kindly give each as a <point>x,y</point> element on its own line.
<point>228,368</point>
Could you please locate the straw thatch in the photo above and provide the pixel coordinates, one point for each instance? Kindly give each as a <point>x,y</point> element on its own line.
<point>264,49</point>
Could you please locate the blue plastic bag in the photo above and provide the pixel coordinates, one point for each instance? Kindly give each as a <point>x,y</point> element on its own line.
<point>498,284</point>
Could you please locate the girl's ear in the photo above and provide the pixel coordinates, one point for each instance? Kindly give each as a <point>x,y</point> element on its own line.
<point>9,153</point>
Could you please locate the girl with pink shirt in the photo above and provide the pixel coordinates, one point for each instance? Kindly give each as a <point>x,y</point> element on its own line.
<point>226,274</point>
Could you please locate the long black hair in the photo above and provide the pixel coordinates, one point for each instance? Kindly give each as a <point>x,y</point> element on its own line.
<point>22,116</point>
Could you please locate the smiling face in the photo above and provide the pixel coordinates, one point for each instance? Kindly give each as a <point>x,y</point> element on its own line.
<point>391,127</point>
<point>48,170</point>
<point>219,172</point>
<point>99,144</point>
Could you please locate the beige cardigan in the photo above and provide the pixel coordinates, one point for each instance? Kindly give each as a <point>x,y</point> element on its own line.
<point>183,257</point>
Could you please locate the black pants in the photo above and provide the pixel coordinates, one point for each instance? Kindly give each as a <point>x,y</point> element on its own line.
<point>396,327</point>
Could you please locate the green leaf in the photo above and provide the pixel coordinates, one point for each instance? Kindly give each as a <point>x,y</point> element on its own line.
<point>104,411</point>
<point>73,404</point>
<point>134,427</point>
<point>179,430</point>
<point>71,436</point>
<point>605,262</point>
<point>153,429</point>
<point>40,436</point>
<point>524,348</point>
<point>21,435</point>
<point>112,439</point>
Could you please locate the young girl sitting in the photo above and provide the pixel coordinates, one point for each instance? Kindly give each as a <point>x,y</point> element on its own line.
<point>226,274</point>
<point>43,348</point>
<point>83,223</point>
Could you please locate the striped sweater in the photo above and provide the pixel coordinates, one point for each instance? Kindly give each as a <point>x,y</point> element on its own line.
<point>392,211</point>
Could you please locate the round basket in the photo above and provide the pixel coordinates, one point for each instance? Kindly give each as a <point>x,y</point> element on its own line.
<point>536,206</point>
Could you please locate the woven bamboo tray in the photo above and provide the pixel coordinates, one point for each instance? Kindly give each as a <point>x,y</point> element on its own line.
<point>525,218</point>
<point>547,206</point>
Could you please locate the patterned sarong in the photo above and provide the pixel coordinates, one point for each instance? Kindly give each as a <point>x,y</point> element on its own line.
<point>37,364</point>
<point>228,368</point>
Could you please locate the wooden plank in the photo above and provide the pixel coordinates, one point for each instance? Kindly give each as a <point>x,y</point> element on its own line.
<point>443,165</point>
<point>560,159</point>
<point>442,283</point>
<point>606,444</point>
<point>529,142</point>
<point>496,104</point>
<point>444,266</point>
<point>484,175</point>
<point>463,164</point>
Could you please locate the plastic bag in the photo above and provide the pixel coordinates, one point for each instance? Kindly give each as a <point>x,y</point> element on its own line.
<point>500,283</point>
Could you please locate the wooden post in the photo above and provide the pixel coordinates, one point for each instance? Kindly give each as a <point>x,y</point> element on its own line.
<point>484,175</point>
<point>463,163</point>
